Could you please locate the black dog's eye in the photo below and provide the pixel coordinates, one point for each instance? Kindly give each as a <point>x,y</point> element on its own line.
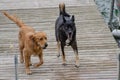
<point>41,39</point>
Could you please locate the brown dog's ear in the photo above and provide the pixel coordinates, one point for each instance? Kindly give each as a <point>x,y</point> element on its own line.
<point>32,37</point>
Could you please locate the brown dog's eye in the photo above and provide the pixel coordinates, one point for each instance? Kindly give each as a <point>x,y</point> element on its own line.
<point>41,39</point>
<point>46,38</point>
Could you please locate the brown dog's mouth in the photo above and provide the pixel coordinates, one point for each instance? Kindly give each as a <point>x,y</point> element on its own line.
<point>44,47</point>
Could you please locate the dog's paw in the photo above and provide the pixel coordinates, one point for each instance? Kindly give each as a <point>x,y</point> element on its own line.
<point>30,64</point>
<point>21,61</point>
<point>36,65</point>
<point>58,55</point>
<point>77,66</point>
<point>28,72</point>
<point>64,64</point>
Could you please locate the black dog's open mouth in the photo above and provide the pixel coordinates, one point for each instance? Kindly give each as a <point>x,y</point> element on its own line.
<point>67,42</point>
<point>70,36</point>
<point>69,39</point>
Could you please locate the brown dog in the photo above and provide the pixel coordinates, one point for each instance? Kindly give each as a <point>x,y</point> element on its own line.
<point>30,43</point>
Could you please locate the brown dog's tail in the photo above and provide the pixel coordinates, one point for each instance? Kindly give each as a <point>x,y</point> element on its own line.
<point>62,10</point>
<point>19,22</point>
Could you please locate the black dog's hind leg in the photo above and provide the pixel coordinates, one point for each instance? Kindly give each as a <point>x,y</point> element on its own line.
<point>58,47</point>
<point>74,46</point>
<point>63,54</point>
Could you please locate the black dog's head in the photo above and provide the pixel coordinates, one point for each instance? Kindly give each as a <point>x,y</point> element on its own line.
<point>69,27</point>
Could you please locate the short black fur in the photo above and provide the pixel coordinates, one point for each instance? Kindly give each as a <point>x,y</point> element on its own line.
<point>65,32</point>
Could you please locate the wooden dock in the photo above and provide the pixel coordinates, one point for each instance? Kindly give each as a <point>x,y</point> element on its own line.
<point>97,48</point>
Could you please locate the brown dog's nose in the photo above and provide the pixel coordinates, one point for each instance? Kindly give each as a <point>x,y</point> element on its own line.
<point>46,45</point>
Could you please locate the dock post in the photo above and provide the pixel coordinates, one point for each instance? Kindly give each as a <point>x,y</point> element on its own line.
<point>16,65</point>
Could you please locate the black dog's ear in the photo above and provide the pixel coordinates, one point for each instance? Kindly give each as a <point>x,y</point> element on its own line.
<point>73,18</point>
<point>63,19</point>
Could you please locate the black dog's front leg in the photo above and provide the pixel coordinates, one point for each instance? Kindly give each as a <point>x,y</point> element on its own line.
<point>74,46</point>
<point>58,47</point>
<point>63,54</point>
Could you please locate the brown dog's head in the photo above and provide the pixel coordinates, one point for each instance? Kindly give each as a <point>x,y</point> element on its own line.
<point>40,38</point>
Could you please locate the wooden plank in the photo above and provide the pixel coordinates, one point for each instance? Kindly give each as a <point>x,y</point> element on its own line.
<point>97,48</point>
<point>27,4</point>
<point>36,15</point>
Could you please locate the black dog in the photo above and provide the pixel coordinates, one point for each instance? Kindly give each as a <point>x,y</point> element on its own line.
<point>65,32</point>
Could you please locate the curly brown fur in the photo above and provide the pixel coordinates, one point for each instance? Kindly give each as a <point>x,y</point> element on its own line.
<point>30,42</point>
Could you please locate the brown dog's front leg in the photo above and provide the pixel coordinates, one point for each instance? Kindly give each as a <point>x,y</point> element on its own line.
<point>41,61</point>
<point>27,60</point>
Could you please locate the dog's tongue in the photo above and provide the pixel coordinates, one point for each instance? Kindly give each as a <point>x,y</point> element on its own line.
<point>69,38</point>
<point>67,42</point>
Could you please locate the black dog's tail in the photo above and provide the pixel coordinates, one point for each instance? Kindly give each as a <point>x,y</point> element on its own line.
<point>62,10</point>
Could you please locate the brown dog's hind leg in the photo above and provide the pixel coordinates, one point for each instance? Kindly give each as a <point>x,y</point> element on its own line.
<point>27,60</point>
<point>21,47</point>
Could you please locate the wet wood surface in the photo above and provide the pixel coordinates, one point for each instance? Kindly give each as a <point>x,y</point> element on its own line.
<point>97,48</point>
